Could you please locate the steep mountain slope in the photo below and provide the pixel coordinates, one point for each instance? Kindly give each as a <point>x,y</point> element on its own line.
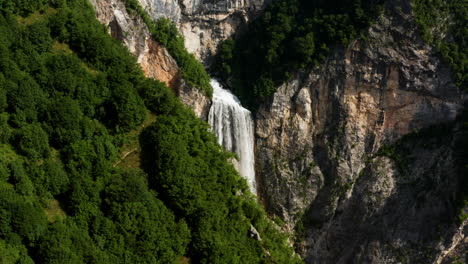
<point>338,114</point>
<point>154,59</point>
<point>205,23</point>
<point>403,207</point>
<point>361,153</point>
<point>99,164</point>
<point>318,145</point>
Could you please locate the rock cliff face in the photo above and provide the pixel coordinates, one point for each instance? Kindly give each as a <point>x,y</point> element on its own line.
<point>323,143</point>
<point>205,23</point>
<point>202,23</point>
<point>318,138</point>
<point>395,211</point>
<point>154,59</point>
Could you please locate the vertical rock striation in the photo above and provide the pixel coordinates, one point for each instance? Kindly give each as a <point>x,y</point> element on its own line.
<point>205,23</point>
<point>318,140</point>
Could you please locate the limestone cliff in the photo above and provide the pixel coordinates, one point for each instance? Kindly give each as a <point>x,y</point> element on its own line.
<point>205,23</point>
<point>324,160</point>
<point>318,138</point>
<point>154,59</point>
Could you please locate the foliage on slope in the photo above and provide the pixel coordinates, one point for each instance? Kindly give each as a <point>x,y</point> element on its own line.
<point>288,36</point>
<point>444,24</point>
<point>69,95</point>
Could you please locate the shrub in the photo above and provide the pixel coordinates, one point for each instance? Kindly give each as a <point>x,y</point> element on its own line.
<point>32,142</point>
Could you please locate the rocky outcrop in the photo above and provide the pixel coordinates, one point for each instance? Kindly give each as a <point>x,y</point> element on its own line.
<point>154,59</point>
<point>195,99</point>
<point>398,210</point>
<point>317,142</point>
<point>205,23</point>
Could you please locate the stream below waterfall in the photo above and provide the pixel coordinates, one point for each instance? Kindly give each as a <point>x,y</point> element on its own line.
<point>234,127</point>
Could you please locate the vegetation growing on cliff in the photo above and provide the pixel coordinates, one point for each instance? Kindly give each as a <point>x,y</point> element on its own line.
<point>70,97</point>
<point>288,36</point>
<point>166,33</point>
<point>444,24</point>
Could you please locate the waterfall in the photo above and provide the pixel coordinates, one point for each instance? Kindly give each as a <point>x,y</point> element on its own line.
<point>233,126</point>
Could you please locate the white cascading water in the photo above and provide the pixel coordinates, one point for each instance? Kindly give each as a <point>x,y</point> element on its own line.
<point>233,126</point>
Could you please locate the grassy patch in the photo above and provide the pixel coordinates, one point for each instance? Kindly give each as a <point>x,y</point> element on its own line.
<point>61,47</point>
<point>394,152</point>
<point>7,154</point>
<point>183,260</point>
<point>54,211</point>
<point>131,149</point>
<point>37,16</point>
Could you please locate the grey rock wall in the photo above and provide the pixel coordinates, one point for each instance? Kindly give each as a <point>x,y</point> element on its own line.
<point>153,58</point>
<point>205,23</point>
<point>317,140</point>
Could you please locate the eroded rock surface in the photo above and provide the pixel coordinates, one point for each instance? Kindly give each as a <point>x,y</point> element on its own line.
<point>317,140</point>
<point>205,23</point>
<point>154,59</point>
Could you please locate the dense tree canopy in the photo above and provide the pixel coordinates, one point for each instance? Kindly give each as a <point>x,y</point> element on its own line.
<point>289,35</point>
<point>72,100</point>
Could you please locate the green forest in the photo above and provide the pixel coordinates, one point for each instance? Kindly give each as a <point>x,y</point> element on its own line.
<point>73,104</point>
